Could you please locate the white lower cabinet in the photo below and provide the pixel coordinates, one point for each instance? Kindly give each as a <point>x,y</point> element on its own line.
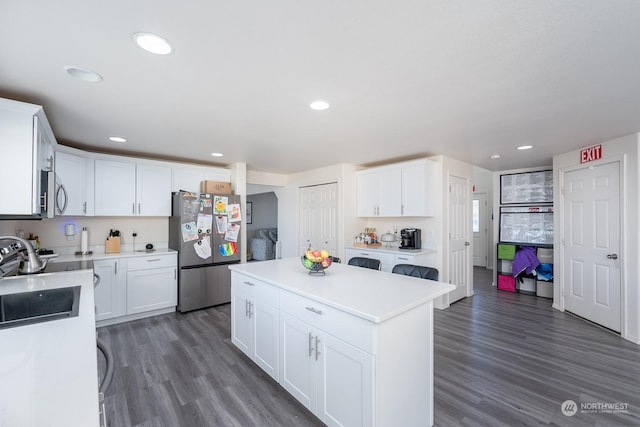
<point>254,329</point>
<point>135,287</point>
<point>151,283</point>
<point>330,377</point>
<point>110,292</point>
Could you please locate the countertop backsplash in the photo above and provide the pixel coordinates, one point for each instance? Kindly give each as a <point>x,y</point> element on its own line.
<point>51,232</point>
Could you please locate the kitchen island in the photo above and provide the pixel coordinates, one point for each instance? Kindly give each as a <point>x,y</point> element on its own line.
<point>355,346</point>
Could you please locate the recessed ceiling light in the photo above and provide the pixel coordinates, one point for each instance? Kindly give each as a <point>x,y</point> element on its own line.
<point>153,43</point>
<point>117,139</point>
<point>495,156</point>
<point>319,105</point>
<point>83,74</point>
<point>525,147</point>
<point>217,154</point>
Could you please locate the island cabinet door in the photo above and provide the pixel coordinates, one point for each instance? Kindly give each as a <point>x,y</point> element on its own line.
<point>264,314</point>
<point>297,363</point>
<point>254,325</point>
<point>345,377</point>
<point>241,327</point>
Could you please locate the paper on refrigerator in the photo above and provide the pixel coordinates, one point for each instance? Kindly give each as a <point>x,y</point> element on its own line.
<point>203,247</point>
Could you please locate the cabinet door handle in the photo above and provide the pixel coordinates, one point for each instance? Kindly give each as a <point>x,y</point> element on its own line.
<point>250,309</point>
<point>84,207</point>
<point>310,344</point>
<point>317,352</point>
<point>115,267</point>
<point>133,208</point>
<point>249,283</point>
<point>175,274</point>
<point>246,308</point>
<point>314,310</point>
<point>139,209</point>
<point>403,258</point>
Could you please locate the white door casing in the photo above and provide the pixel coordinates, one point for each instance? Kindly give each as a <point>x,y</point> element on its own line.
<point>591,244</point>
<point>480,230</point>
<point>459,242</point>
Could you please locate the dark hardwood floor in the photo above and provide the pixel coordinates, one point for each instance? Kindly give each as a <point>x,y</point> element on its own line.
<point>501,359</point>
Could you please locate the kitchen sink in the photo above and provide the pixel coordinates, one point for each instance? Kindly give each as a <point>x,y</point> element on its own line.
<point>38,306</point>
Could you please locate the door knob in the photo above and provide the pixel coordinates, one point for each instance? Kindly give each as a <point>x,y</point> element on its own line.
<point>467,243</point>
<point>612,256</point>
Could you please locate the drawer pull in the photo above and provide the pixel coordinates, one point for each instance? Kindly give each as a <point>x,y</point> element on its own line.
<point>314,310</point>
<point>406,259</point>
<point>153,260</point>
<point>249,283</point>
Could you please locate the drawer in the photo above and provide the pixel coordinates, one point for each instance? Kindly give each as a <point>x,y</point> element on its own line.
<point>258,289</point>
<point>148,262</point>
<point>405,259</point>
<point>347,327</point>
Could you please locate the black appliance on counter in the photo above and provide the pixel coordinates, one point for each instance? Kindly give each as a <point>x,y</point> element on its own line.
<point>205,230</point>
<point>410,238</point>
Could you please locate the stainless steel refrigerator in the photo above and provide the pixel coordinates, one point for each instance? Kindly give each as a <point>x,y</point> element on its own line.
<point>205,230</point>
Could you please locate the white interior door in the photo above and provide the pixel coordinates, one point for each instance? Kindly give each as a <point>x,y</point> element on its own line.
<point>591,266</point>
<point>480,229</point>
<point>319,217</point>
<point>459,223</point>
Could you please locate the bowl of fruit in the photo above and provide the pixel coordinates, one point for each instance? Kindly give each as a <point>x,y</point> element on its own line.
<point>316,261</point>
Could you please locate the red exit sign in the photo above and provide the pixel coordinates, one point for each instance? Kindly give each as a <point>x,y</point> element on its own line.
<point>590,154</point>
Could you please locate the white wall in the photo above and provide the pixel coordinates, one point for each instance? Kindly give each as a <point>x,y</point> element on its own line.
<point>627,148</point>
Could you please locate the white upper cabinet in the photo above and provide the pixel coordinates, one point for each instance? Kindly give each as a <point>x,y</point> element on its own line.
<point>402,189</point>
<point>187,179</point>
<point>74,185</point>
<point>418,196</point>
<point>26,149</point>
<point>115,188</point>
<point>153,190</point>
<point>130,189</point>
<point>378,193</point>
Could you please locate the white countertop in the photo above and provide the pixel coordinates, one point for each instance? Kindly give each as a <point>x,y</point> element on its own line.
<point>48,370</point>
<point>101,255</point>
<point>394,250</point>
<point>370,294</point>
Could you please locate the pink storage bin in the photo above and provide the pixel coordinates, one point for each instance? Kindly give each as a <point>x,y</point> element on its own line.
<point>507,283</point>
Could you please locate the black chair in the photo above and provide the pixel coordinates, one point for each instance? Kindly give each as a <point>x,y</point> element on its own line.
<point>371,263</point>
<point>419,271</point>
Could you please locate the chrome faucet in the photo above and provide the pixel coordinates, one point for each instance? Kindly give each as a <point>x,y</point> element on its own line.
<point>32,262</point>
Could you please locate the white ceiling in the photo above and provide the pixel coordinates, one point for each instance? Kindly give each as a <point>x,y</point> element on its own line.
<point>404,78</point>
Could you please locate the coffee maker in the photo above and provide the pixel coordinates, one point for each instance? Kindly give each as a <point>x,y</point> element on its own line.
<point>411,238</point>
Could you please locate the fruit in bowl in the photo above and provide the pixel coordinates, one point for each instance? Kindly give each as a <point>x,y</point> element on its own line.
<point>316,261</point>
